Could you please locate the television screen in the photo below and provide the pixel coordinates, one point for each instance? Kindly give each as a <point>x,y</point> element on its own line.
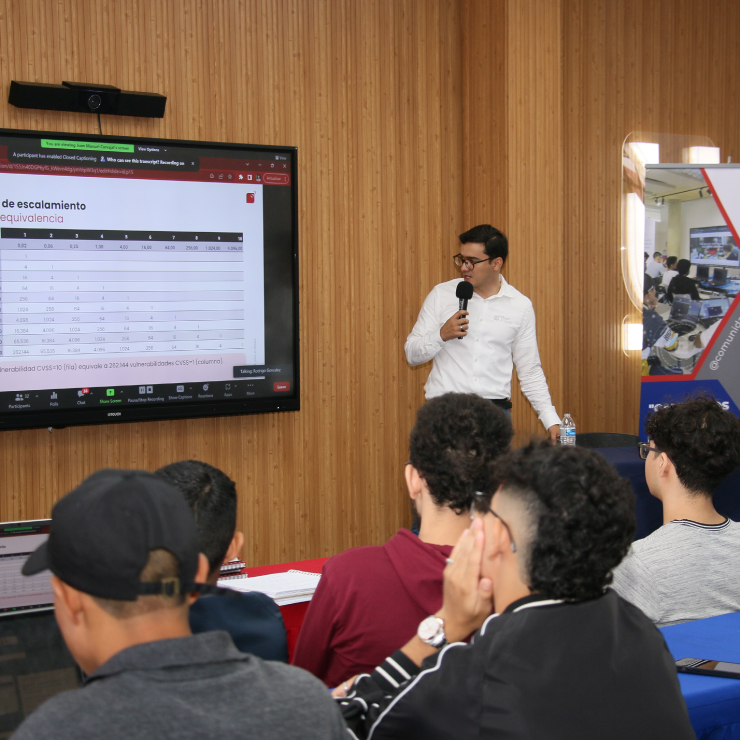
<point>713,245</point>
<point>145,279</point>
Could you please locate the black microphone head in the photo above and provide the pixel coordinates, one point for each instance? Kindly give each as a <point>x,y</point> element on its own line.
<point>464,290</point>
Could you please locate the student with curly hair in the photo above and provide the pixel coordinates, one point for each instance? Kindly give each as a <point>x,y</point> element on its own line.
<point>687,569</point>
<point>563,656</point>
<point>370,599</point>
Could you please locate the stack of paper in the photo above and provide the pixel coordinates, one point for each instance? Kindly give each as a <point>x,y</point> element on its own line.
<point>290,587</point>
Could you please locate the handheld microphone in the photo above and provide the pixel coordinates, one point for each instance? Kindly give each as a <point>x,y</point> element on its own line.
<point>464,293</point>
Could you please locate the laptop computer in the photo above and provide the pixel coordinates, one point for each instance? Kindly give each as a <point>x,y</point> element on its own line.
<point>702,272</point>
<point>35,664</point>
<point>684,309</point>
<point>19,593</point>
<point>714,308</point>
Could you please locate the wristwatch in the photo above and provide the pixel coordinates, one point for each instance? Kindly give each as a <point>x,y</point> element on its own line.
<point>432,632</point>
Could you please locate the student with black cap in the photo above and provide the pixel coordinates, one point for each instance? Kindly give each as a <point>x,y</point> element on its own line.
<point>123,551</point>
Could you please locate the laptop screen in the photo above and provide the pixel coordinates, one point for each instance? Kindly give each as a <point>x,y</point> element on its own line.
<point>713,308</point>
<point>684,309</point>
<point>19,593</point>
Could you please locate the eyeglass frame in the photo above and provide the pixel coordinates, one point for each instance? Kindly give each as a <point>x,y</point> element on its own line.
<point>473,511</point>
<point>647,449</point>
<point>465,260</point>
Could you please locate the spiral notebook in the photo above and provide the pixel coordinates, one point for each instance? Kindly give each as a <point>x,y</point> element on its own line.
<point>290,587</point>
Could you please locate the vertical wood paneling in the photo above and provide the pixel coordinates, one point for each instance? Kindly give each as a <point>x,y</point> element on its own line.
<point>514,161</point>
<point>535,184</point>
<point>668,66</point>
<point>415,119</point>
<point>370,93</point>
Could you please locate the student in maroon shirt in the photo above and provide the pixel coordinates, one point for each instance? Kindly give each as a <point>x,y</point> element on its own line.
<point>370,600</point>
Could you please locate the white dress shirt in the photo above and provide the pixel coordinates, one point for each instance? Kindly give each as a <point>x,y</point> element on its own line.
<point>501,333</point>
<point>655,269</point>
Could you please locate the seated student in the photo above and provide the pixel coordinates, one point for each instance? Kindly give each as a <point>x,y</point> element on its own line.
<point>655,267</point>
<point>252,619</point>
<point>563,656</point>
<point>687,569</point>
<point>670,271</point>
<point>123,550</point>
<point>370,599</point>
<point>682,284</point>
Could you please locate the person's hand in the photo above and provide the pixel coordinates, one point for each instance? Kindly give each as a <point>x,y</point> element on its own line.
<point>455,326</point>
<point>468,598</point>
<point>554,432</point>
<point>344,688</point>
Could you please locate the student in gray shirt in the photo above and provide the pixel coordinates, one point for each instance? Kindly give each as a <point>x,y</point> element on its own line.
<point>123,551</point>
<point>687,569</point>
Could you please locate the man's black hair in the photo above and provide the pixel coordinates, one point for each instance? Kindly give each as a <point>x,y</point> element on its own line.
<point>454,443</point>
<point>683,267</point>
<point>494,241</point>
<point>701,439</point>
<point>647,284</point>
<point>670,261</point>
<point>657,254</point>
<point>583,517</point>
<point>211,495</point>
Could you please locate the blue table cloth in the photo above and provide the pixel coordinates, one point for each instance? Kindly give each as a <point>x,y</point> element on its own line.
<point>713,703</point>
<point>649,510</point>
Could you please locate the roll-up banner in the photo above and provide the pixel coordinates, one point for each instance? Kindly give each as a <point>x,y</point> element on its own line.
<point>691,310</point>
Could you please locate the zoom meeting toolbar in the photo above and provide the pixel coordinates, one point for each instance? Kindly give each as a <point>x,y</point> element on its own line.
<point>67,293</point>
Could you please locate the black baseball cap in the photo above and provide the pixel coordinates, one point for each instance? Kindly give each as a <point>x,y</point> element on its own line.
<point>102,532</point>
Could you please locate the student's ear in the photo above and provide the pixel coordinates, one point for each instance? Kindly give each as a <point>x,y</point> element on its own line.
<point>414,481</point>
<point>235,547</point>
<point>201,575</point>
<point>67,600</point>
<point>666,465</point>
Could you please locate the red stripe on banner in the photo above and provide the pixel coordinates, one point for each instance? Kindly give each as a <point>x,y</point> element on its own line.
<point>731,309</point>
<point>665,378</point>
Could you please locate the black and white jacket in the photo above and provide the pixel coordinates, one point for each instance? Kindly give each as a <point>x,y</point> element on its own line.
<point>591,670</point>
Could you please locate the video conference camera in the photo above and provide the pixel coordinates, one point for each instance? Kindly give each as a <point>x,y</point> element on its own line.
<point>83,97</point>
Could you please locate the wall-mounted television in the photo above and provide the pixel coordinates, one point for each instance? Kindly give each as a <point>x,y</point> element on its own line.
<point>145,279</point>
<point>713,245</point>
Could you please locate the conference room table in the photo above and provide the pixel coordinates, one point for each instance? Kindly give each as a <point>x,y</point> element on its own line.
<point>713,703</point>
<point>648,509</point>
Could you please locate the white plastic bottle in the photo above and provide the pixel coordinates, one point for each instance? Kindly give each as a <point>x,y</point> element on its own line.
<point>567,431</point>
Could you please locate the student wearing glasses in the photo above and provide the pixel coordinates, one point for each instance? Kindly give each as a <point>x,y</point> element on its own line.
<point>686,569</point>
<point>498,331</point>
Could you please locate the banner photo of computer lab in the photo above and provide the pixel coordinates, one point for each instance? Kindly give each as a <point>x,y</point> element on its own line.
<point>691,307</point>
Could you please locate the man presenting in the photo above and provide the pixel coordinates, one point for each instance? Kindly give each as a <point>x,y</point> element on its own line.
<point>474,351</point>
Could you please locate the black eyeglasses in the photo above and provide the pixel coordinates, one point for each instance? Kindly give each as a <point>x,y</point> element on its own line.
<point>480,506</point>
<point>460,261</point>
<point>646,449</point>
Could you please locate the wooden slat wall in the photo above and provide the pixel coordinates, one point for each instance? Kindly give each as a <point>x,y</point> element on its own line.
<point>669,66</point>
<point>553,88</point>
<point>370,93</point>
<point>415,119</point>
<point>514,161</point>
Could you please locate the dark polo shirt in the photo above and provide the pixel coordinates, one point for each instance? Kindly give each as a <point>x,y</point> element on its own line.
<point>189,688</point>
